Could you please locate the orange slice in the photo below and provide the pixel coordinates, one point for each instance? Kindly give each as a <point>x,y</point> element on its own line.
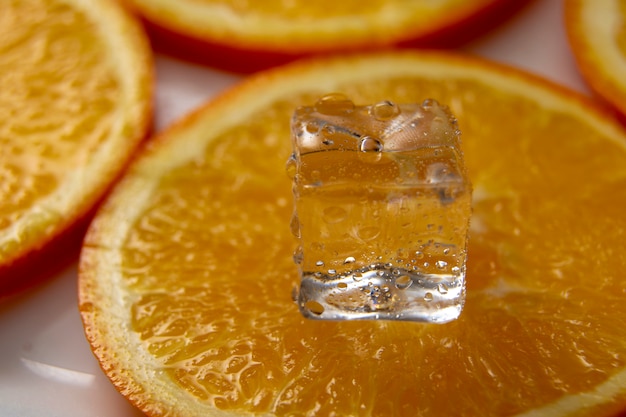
<point>249,35</point>
<point>597,34</point>
<point>75,100</point>
<point>186,273</point>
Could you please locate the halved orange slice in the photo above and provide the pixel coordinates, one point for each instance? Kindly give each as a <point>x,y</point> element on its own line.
<point>75,100</point>
<point>186,273</point>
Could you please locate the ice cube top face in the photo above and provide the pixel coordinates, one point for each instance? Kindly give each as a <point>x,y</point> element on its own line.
<point>336,123</point>
<point>382,206</point>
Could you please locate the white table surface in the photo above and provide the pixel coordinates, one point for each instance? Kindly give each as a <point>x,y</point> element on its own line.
<point>46,366</point>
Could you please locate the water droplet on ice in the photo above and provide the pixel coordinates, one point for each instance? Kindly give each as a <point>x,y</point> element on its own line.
<point>368,232</point>
<point>403,282</point>
<point>298,255</point>
<point>429,103</point>
<point>314,307</point>
<point>370,144</point>
<point>295,225</point>
<point>349,260</point>
<point>312,127</point>
<point>384,110</point>
<point>291,167</point>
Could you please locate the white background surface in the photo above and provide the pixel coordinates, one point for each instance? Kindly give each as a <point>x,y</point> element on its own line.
<point>46,366</point>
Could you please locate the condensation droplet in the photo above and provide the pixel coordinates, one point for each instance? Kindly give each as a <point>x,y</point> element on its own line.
<point>428,296</point>
<point>298,255</point>
<point>291,167</point>
<point>332,272</point>
<point>342,285</point>
<point>371,150</point>
<point>319,263</point>
<point>403,282</point>
<point>327,130</point>
<point>368,232</point>
<point>384,110</point>
<point>429,103</point>
<point>295,225</point>
<point>314,307</point>
<point>370,144</point>
<point>312,127</point>
<point>442,288</point>
<point>349,260</point>
<point>441,264</point>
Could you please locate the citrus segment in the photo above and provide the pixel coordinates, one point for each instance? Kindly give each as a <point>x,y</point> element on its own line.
<point>75,91</point>
<point>249,35</point>
<point>186,273</point>
<point>597,34</point>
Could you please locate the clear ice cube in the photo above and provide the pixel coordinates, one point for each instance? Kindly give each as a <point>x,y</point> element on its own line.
<point>382,208</point>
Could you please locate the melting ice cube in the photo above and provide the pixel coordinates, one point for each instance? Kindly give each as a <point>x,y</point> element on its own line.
<point>382,208</point>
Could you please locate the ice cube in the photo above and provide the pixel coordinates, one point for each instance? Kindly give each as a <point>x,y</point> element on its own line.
<point>385,187</point>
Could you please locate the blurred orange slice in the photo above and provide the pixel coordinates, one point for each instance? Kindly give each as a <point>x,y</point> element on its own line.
<point>249,35</point>
<point>597,34</point>
<point>75,100</point>
<point>186,273</point>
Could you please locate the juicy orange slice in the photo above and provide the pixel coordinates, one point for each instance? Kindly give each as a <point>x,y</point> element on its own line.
<point>248,35</point>
<point>186,273</point>
<point>75,94</point>
<point>597,33</point>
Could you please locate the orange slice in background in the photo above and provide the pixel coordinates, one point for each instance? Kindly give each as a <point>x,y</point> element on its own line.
<point>186,274</point>
<point>250,35</point>
<point>75,100</point>
<point>597,34</point>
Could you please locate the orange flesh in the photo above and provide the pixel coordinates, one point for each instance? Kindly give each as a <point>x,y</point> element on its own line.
<point>211,258</point>
<point>61,67</point>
